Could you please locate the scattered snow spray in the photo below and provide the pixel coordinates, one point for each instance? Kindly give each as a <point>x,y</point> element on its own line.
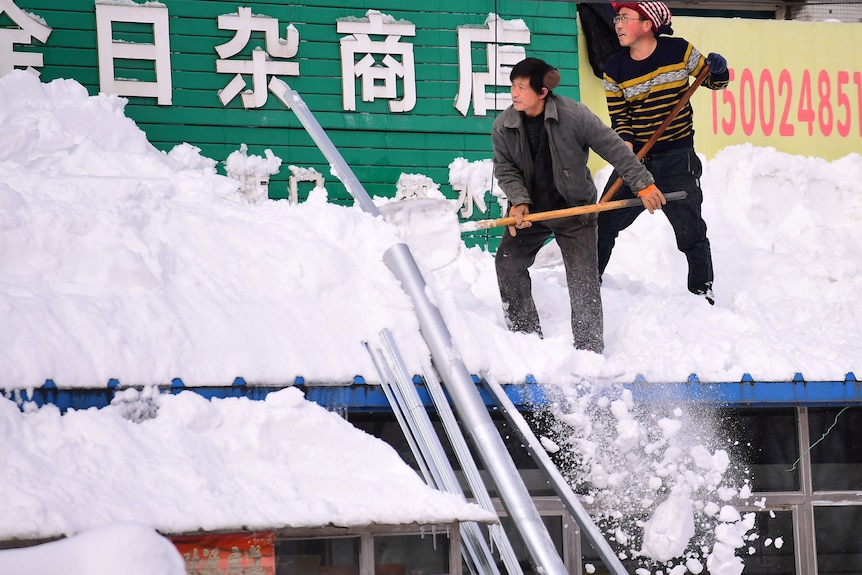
<point>656,477</point>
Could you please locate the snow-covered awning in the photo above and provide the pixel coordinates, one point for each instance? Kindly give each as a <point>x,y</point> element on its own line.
<point>182,463</point>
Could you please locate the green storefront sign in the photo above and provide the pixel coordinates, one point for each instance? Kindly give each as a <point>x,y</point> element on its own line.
<point>398,90</point>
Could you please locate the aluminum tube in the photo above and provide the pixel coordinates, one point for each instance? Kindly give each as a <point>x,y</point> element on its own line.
<point>397,386</point>
<point>478,551</point>
<point>474,416</point>
<point>468,466</point>
<point>386,379</point>
<point>337,164</point>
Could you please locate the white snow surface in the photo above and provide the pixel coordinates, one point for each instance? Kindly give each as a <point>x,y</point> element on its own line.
<point>203,465</point>
<point>121,261</point>
<point>138,549</point>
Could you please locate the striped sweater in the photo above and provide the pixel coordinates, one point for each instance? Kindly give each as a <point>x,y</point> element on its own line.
<point>641,94</point>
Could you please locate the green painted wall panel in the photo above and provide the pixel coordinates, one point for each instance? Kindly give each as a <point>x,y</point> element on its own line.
<point>378,144</point>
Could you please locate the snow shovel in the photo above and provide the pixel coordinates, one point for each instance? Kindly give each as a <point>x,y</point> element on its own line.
<point>654,138</point>
<point>563,213</point>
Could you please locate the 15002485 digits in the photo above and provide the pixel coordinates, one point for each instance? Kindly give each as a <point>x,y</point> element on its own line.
<point>822,102</point>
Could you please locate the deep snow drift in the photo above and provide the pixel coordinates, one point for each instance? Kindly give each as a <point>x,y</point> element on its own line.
<point>120,261</point>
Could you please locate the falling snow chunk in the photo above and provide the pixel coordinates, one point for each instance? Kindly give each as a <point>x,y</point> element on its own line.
<point>729,515</point>
<point>669,427</point>
<point>620,409</point>
<point>428,226</point>
<point>628,434</point>
<point>723,561</point>
<point>726,493</point>
<point>668,531</point>
<point>695,566</point>
<point>549,445</point>
<point>621,536</point>
<point>729,535</point>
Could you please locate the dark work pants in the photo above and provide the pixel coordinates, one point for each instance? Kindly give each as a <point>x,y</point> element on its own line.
<point>576,237</point>
<point>674,171</point>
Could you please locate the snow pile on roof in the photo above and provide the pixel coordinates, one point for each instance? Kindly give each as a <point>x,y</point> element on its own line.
<point>183,463</point>
<point>131,548</point>
<point>120,261</point>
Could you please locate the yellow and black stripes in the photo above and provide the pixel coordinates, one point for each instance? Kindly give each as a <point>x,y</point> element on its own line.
<point>641,94</point>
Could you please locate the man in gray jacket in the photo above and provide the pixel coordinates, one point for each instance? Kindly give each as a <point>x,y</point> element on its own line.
<point>541,146</point>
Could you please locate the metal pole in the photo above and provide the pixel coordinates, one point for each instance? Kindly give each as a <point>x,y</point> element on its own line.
<point>339,167</point>
<point>462,390</point>
<point>474,416</point>
<point>405,399</point>
<point>468,466</point>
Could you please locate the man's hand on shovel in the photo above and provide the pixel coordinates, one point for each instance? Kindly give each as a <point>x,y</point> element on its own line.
<point>518,212</point>
<point>652,198</point>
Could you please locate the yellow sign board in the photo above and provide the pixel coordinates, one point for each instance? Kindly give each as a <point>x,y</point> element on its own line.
<point>794,86</point>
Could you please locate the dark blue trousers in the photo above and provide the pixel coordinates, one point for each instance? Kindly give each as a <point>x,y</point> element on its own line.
<point>674,171</point>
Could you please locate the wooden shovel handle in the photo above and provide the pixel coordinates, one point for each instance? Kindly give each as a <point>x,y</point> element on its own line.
<point>565,212</point>
<point>660,130</point>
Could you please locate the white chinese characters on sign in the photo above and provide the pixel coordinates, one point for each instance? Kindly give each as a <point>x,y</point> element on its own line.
<point>499,60</point>
<point>159,52</point>
<point>374,57</point>
<point>252,171</point>
<point>261,65</point>
<point>29,28</point>
<point>297,175</point>
<point>379,78</point>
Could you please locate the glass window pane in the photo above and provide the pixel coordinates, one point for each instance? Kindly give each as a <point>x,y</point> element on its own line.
<point>773,550</point>
<point>765,440</point>
<point>338,556</point>
<point>836,452</point>
<point>839,546</point>
<point>426,554</point>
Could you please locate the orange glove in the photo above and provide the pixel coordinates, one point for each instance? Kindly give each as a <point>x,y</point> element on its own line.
<point>652,198</point>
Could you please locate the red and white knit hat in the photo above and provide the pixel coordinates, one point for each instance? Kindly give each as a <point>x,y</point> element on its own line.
<point>656,12</point>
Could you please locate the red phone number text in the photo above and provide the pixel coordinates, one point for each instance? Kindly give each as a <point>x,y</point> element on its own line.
<point>825,103</point>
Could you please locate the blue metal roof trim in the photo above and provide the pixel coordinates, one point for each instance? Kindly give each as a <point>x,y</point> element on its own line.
<point>748,392</point>
<point>362,396</point>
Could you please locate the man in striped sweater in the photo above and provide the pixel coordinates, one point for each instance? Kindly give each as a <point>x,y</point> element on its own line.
<point>643,82</point>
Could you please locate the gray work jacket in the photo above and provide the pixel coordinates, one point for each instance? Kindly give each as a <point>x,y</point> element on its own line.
<point>573,129</point>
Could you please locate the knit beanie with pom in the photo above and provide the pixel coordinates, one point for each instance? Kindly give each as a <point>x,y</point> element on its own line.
<point>656,12</point>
